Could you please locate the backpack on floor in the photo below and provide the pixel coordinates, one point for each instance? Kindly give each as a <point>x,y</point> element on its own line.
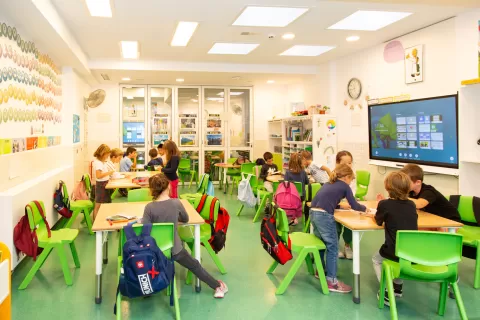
<point>24,238</point>
<point>61,203</point>
<point>80,191</point>
<point>219,231</point>
<point>288,199</point>
<point>271,241</point>
<point>245,193</point>
<point>145,269</point>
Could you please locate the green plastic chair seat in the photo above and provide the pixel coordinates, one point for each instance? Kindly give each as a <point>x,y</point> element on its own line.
<point>471,235</point>
<point>80,204</point>
<point>438,273</point>
<point>58,236</point>
<point>186,232</point>
<point>300,240</point>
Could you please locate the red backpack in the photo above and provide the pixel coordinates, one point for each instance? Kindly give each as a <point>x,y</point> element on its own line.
<point>288,199</point>
<point>271,241</point>
<point>219,231</point>
<point>24,238</point>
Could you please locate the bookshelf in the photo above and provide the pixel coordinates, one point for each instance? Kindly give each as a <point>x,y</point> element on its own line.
<point>275,137</point>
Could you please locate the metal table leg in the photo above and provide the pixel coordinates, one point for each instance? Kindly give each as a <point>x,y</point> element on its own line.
<point>98,266</point>
<point>196,228</point>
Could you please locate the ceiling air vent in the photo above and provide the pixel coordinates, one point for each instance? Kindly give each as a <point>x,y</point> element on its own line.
<point>105,76</point>
<point>246,33</point>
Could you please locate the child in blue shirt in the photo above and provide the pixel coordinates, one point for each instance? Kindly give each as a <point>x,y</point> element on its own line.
<point>155,160</point>
<point>324,226</point>
<point>126,164</point>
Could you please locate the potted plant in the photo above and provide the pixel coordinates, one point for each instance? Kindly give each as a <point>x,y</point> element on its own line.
<point>324,110</point>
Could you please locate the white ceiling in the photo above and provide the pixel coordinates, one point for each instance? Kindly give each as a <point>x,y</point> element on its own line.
<point>153,22</point>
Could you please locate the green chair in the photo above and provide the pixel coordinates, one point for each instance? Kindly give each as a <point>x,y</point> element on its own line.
<point>139,195</point>
<point>233,172</point>
<point>315,187</point>
<point>49,241</point>
<point>186,233</point>
<point>163,233</point>
<point>202,189</point>
<point>259,192</point>
<point>471,234</point>
<point>436,260</point>
<point>363,180</point>
<point>77,206</point>
<point>304,244</point>
<point>244,168</point>
<point>184,170</point>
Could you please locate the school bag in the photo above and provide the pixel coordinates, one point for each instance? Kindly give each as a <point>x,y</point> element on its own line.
<point>24,238</point>
<point>245,193</point>
<point>145,269</point>
<point>219,230</point>
<point>271,241</point>
<point>288,199</point>
<point>80,191</point>
<point>61,203</point>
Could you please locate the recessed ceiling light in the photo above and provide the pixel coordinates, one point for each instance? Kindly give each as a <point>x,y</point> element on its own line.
<point>288,36</point>
<point>180,80</point>
<point>306,51</point>
<point>270,81</point>
<point>99,8</point>
<point>129,49</point>
<point>369,20</point>
<point>126,79</point>
<point>268,16</point>
<point>232,48</point>
<point>183,33</point>
<point>234,93</point>
<point>353,38</point>
<point>215,99</point>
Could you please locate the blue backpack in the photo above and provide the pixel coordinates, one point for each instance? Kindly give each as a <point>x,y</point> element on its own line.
<point>145,269</point>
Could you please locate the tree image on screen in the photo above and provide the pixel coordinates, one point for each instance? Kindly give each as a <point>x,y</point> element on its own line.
<point>384,132</point>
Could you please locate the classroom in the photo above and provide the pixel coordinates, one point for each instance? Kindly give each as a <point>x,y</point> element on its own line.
<point>266,159</point>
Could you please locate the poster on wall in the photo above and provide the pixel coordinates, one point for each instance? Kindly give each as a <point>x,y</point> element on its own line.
<point>414,64</point>
<point>214,139</point>
<point>76,128</point>
<point>32,143</point>
<point>188,139</point>
<point>18,145</point>
<point>159,138</point>
<point>187,123</point>
<point>5,146</point>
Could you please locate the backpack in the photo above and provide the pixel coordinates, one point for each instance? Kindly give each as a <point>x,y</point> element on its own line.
<point>219,231</point>
<point>80,191</point>
<point>145,269</point>
<point>288,199</point>
<point>271,241</point>
<point>24,238</point>
<point>245,193</point>
<point>61,203</point>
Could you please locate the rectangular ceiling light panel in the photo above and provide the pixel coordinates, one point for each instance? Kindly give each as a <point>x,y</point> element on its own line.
<point>99,8</point>
<point>232,48</point>
<point>183,33</point>
<point>129,49</point>
<point>306,51</point>
<point>369,20</point>
<point>268,16</point>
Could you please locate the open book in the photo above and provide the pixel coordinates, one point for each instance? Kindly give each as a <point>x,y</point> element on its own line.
<point>121,218</point>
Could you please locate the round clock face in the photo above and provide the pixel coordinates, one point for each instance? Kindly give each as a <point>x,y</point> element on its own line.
<point>354,88</point>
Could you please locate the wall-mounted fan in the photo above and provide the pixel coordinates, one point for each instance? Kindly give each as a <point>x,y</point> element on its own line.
<point>95,98</point>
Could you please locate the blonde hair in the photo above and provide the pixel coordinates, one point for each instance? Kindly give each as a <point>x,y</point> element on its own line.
<point>295,163</point>
<point>101,151</point>
<point>115,153</point>
<point>397,185</point>
<point>171,149</point>
<point>341,171</point>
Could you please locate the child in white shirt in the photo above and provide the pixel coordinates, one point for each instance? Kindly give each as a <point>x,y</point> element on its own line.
<point>319,173</point>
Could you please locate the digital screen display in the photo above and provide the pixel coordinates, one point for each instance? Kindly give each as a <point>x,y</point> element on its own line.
<point>133,133</point>
<point>417,131</point>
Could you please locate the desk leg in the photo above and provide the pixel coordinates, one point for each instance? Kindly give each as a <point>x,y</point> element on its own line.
<point>196,228</point>
<point>225,180</point>
<point>98,266</point>
<point>356,266</point>
<point>105,248</point>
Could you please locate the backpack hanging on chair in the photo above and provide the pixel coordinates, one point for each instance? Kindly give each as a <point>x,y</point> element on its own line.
<point>61,203</point>
<point>80,191</point>
<point>219,230</point>
<point>271,241</point>
<point>288,199</point>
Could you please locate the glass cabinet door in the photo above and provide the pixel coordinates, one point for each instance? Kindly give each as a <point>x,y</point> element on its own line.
<point>188,117</point>
<point>133,120</point>
<point>161,105</point>
<point>239,118</point>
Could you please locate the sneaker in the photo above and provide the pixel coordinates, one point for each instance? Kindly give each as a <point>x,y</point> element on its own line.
<point>398,290</point>
<point>348,252</point>
<point>221,290</point>
<point>338,287</point>
<point>341,255</point>
<point>385,300</point>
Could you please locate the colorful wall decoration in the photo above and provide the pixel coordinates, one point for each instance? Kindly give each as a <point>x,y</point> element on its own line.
<point>76,128</point>
<point>30,95</point>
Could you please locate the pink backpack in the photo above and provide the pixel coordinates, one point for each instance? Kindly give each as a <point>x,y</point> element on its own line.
<point>80,191</point>
<point>288,199</point>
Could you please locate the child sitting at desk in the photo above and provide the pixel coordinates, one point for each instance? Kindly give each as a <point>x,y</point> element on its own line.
<point>126,164</point>
<point>268,168</point>
<point>397,213</point>
<point>324,226</point>
<point>164,209</point>
<point>155,159</point>
<point>116,156</point>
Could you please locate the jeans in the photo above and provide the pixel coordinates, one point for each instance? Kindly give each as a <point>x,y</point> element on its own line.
<point>324,227</point>
<point>377,260</point>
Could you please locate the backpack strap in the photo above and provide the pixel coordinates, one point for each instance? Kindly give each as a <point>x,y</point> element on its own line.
<point>129,233</point>
<point>40,209</point>
<point>146,230</point>
<point>63,188</point>
<point>212,211</point>
<point>202,203</point>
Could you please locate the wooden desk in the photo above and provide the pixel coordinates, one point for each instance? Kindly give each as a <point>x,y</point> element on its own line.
<point>126,182</point>
<point>101,227</point>
<point>359,224</point>
<point>275,178</point>
<point>224,167</point>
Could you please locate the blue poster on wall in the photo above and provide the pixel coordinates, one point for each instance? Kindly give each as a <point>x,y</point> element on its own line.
<point>76,128</point>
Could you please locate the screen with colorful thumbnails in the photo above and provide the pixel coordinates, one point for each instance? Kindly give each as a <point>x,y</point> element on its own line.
<point>423,131</point>
<point>133,133</point>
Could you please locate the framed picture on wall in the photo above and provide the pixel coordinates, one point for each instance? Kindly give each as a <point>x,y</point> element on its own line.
<point>188,140</point>
<point>214,139</point>
<point>187,123</point>
<point>414,64</point>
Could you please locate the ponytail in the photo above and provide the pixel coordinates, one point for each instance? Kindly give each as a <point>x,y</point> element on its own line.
<point>333,177</point>
<point>341,171</point>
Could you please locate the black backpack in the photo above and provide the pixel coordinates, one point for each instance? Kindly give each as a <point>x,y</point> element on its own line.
<point>271,241</point>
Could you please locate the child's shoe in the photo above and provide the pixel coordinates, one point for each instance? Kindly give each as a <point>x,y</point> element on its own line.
<point>221,290</point>
<point>338,286</point>
<point>348,252</point>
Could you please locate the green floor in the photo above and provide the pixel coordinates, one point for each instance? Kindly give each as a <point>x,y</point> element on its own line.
<point>252,292</point>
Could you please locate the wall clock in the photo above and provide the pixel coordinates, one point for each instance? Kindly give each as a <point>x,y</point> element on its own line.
<point>354,88</point>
